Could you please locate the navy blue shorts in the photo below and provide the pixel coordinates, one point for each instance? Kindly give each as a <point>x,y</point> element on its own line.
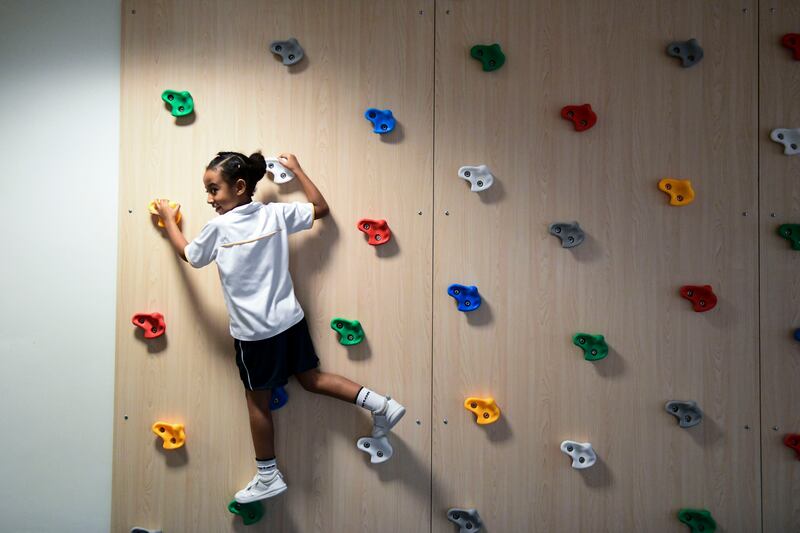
<point>268,363</point>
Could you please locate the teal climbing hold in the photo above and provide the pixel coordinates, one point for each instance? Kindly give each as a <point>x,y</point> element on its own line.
<point>250,512</point>
<point>181,102</point>
<point>698,520</point>
<point>594,346</point>
<point>350,331</point>
<point>490,56</point>
<point>790,232</point>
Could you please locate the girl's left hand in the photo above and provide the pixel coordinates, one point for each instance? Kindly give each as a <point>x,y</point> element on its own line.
<point>290,162</point>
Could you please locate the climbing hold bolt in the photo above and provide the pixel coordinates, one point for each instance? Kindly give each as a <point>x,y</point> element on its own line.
<point>789,138</point>
<point>687,412</point>
<point>181,102</point>
<point>792,42</point>
<point>689,52</point>
<point>173,435</point>
<point>377,231</point>
<point>152,323</point>
<point>151,207</point>
<point>279,398</point>
<point>702,297</point>
<point>594,346</point>
<point>350,331</point>
<point>280,174</point>
<point>680,191</point>
<point>382,120</point>
<point>485,409</point>
<point>250,512</point>
<point>582,116</point>
<point>490,56</point>
<point>379,449</point>
<point>582,453</point>
<point>468,520</point>
<point>570,233</point>
<point>698,520</point>
<point>290,50</point>
<point>467,297</point>
<point>479,177</point>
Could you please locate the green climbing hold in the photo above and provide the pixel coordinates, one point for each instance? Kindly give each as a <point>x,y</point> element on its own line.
<point>350,331</point>
<point>181,102</point>
<point>490,56</point>
<point>790,232</point>
<point>250,512</point>
<point>698,520</point>
<point>594,346</point>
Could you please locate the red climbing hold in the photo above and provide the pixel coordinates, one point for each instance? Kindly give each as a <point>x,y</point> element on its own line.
<point>377,231</point>
<point>792,42</point>
<point>152,323</point>
<point>582,116</point>
<point>702,298</point>
<point>792,440</point>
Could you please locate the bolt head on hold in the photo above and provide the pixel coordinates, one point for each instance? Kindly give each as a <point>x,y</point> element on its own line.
<point>680,192</point>
<point>485,409</point>
<point>382,120</point>
<point>466,296</point>
<point>581,116</point>
<point>350,331</point>
<point>479,177</point>
<point>279,398</point>
<point>594,346</point>
<point>290,51</point>
<point>153,324</point>
<point>569,233</point>
<point>789,138</point>
<point>702,297</point>
<point>689,52</point>
<point>181,103</point>
<point>377,231</point>
<point>581,453</point>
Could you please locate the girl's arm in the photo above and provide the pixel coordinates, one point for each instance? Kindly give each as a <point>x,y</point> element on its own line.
<point>174,233</point>
<point>321,208</point>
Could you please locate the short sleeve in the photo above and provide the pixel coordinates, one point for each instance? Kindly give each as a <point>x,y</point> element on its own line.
<point>203,249</point>
<point>297,215</point>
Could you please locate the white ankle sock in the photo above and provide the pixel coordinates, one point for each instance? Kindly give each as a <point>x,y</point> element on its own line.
<point>370,400</point>
<point>266,468</point>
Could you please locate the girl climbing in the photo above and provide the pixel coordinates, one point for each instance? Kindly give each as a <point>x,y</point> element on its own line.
<point>250,243</point>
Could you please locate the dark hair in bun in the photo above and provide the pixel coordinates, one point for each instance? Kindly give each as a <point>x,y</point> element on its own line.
<point>234,166</point>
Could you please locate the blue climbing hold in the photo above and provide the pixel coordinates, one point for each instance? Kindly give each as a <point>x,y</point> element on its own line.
<point>382,121</point>
<point>467,296</point>
<point>279,398</point>
<point>797,334</point>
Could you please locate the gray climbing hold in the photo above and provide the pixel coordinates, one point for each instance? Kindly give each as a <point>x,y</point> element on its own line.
<point>570,233</point>
<point>687,413</point>
<point>689,52</point>
<point>789,138</point>
<point>290,50</point>
<point>468,520</point>
<point>480,177</point>
<point>280,174</point>
<point>582,453</point>
<point>144,530</point>
<point>379,448</point>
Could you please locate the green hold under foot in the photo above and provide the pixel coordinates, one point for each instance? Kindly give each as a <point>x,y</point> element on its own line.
<point>594,346</point>
<point>350,331</point>
<point>491,56</point>
<point>698,520</point>
<point>250,512</point>
<point>790,232</point>
<point>181,102</point>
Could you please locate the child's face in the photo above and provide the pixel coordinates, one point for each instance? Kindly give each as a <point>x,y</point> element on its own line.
<point>221,195</point>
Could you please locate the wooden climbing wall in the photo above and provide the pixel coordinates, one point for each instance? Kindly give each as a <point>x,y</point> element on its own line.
<point>780,276</point>
<point>246,100</point>
<point>655,120</point>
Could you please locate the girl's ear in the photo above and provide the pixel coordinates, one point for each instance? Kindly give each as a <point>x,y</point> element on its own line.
<point>241,187</point>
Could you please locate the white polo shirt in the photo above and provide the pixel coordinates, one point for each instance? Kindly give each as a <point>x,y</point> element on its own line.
<point>250,244</point>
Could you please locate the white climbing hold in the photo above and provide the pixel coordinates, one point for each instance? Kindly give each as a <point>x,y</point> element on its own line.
<point>280,174</point>
<point>479,177</point>
<point>582,453</point>
<point>789,138</point>
<point>379,448</point>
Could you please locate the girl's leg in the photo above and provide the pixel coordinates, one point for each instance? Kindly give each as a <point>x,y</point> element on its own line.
<point>261,428</point>
<point>332,385</point>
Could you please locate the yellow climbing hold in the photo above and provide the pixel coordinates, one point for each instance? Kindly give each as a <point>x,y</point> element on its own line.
<point>485,409</point>
<point>174,205</point>
<point>173,434</point>
<point>680,191</point>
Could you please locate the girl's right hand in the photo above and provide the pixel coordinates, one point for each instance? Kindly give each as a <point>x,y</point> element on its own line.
<point>165,211</point>
<point>290,162</point>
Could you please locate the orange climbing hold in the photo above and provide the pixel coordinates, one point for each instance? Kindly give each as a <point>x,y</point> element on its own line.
<point>680,191</point>
<point>173,434</point>
<point>152,323</point>
<point>484,408</point>
<point>153,211</point>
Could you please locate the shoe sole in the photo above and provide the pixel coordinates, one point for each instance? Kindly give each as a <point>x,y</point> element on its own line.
<point>270,494</point>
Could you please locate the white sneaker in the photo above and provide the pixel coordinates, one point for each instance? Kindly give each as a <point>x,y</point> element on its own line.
<point>391,415</point>
<point>260,489</point>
